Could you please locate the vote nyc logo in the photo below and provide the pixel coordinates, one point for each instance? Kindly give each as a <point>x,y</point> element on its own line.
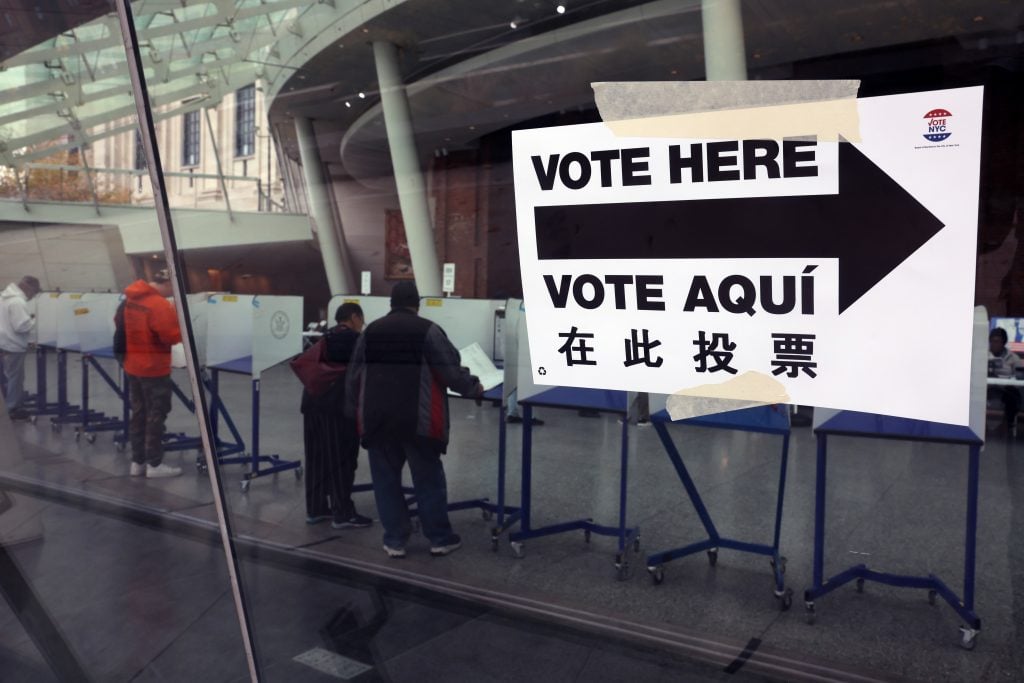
<point>937,125</point>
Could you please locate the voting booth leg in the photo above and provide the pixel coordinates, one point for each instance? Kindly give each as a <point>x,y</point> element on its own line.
<point>626,536</point>
<point>67,413</point>
<point>95,421</point>
<point>714,541</point>
<point>40,404</point>
<point>507,516</point>
<point>861,573</point>
<point>254,459</point>
<point>217,410</point>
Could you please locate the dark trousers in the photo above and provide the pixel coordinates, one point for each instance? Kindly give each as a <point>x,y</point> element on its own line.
<point>1010,396</point>
<point>151,402</point>
<point>332,455</point>
<point>431,488</point>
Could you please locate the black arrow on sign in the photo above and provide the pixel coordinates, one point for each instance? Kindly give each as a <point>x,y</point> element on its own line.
<point>872,225</point>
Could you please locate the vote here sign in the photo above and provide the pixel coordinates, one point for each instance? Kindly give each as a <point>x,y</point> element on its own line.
<point>842,272</point>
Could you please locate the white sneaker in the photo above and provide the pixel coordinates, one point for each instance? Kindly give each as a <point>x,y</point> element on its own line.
<point>162,470</point>
<point>137,470</point>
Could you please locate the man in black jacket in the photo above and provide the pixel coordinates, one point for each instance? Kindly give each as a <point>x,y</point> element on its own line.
<point>398,379</point>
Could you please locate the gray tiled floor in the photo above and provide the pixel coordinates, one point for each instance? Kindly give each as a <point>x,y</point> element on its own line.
<point>900,502</point>
<point>154,606</point>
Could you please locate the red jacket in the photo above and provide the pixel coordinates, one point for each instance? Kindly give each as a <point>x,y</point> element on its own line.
<point>151,328</point>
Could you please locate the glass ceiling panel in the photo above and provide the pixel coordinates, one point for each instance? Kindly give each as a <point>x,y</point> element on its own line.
<point>67,85</point>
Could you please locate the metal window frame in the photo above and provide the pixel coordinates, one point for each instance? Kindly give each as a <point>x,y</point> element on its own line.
<point>172,255</point>
<point>245,121</point>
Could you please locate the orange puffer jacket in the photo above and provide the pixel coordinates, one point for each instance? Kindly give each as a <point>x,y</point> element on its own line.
<point>151,328</point>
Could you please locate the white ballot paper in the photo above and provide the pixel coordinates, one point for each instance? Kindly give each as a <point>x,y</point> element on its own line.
<point>177,355</point>
<point>474,358</point>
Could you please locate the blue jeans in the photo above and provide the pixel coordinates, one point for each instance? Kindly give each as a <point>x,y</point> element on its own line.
<point>430,486</point>
<point>14,373</point>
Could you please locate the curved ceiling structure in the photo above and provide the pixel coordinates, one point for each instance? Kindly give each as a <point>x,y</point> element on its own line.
<point>470,73</point>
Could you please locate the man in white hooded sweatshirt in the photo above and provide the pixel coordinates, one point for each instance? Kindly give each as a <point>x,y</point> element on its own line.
<point>16,323</point>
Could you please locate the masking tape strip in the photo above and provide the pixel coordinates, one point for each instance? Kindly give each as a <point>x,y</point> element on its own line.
<point>744,391</point>
<point>731,110</point>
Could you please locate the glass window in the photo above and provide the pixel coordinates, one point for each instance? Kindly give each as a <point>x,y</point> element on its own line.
<point>245,121</point>
<point>190,136</point>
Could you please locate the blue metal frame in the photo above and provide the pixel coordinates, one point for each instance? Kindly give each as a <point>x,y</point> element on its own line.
<point>93,421</point>
<point>963,606</point>
<point>40,405</point>
<point>714,540</point>
<point>253,458</point>
<point>627,536</point>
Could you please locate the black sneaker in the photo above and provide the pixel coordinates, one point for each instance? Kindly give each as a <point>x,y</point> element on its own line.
<point>453,543</point>
<point>19,415</point>
<point>356,521</point>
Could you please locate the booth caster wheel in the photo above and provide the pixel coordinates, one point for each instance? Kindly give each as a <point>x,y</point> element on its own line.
<point>785,599</point>
<point>486,514</point>
<point>518,549</point>
<point>494,541</point>
<point>810,615</point>
<point>91,437</point>
<point>622,570</point>
<point>245,485</point>
<point>298,474</point>
<point>968,637</point>
<point>201,466</point>
<point>713,557</point>
<point>931,597</point>
<point>860,585</point>
<point>657,575</point>
<point>636,544</point>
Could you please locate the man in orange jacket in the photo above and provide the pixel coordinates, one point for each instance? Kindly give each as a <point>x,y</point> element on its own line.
<point>151,328</point>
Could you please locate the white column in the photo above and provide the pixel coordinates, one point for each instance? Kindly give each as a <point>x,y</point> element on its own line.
<point>412,189</point>
<point>332,247</point>
<point>725,55</point>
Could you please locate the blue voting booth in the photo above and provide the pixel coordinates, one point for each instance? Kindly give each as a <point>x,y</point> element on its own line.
<point>771,420</point>
<point>831,424</point>
<point>246,335</point>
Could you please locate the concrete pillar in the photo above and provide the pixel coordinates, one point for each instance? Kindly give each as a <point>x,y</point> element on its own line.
<point>725,54</point>
<point>332,248</point>
<point>412,189</point>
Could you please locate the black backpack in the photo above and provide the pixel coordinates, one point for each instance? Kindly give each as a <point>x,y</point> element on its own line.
<point>120,337</point>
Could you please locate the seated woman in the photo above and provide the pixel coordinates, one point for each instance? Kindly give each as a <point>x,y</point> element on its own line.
<point>1003,363</point>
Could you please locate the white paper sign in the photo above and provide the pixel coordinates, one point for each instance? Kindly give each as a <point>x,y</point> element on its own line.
<point>448,278</point>
<point>730,267</point>
<point>474,358</point>
<point>365,289</point>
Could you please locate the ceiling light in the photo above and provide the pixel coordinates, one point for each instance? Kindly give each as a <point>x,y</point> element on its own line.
<point>560,9</point>
<point>348,104</point>
<point>513,25</point>
<point>362,96</point>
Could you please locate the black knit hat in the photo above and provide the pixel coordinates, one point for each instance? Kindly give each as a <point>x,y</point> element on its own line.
<point>405,295</point>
